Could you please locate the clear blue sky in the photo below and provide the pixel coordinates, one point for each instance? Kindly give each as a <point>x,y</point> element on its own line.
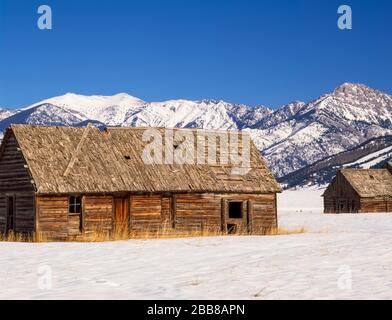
<point>253,52</point>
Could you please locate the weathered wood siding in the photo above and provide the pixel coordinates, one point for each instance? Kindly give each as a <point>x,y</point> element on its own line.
<point>198,212</point>
<point>3,212</point>
<point>55,222</point>
<point>202,212</point>
<point>148,212</point>
<point>377,204</point>
<point>52,217</point>
<point>340,197</point>
<point>264,213</point>
<point>180,213</point>
<point>97,213</point>
<point>15,181</point>
<point>259,213</point>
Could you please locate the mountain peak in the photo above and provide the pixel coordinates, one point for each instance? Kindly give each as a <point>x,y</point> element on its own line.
<point>352,88</point>
<point>120,95</point>
<point>291,137</point>
<point>124,95</point>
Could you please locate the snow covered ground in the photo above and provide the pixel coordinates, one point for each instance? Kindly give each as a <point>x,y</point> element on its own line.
<point>339,257</point>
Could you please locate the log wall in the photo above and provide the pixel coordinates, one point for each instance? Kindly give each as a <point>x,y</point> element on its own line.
<point>264,213</point>
<point>55,223</point>
<point>202,212</point>
<point>378,204</point>
<point>97,213</point>
<point>15,181</point>
<point>146,212</point>
<point>52,217</point>
<point>340,197</point>
<point>180,213</point>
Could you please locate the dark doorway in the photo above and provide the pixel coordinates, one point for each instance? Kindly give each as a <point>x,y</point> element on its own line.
<point>10,213</point>
<point>235,210</point>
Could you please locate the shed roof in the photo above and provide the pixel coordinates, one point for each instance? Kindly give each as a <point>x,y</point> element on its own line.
<point>86,160</point>
<point>369,182</point>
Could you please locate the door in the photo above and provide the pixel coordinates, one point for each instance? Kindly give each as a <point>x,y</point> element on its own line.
<point>121,217</point>
<point>10,214</point>
<point>236,217</point>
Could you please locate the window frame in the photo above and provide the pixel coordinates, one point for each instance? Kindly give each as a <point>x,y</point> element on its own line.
<point>76,203</point>
<point>241,204</point>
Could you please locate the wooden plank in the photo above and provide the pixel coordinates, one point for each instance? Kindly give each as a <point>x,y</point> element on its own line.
<point>174,210</point>
<point>250,215</point>
<point>52,216</point>
<point>224,205</point>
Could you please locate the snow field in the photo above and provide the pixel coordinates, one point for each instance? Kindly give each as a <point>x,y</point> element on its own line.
<point>339,257</point>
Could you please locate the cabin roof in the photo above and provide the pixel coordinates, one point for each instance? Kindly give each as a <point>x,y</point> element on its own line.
<point>85,160</point>
<point>369,182</point>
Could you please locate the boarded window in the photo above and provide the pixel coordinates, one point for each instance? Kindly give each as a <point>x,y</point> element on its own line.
<point>75,205</point>
<point>235,210</point>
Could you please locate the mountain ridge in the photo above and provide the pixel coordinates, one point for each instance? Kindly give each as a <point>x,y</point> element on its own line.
<point>290,138</point>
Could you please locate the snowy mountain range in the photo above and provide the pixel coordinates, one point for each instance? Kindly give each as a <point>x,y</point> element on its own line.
<point>290,138</point>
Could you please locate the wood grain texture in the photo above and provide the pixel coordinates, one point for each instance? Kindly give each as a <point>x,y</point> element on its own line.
<point>189,213</point>
<point>15,181</point>
<point>52,217</point>
<point>66,160</point>
<point>203,212</point>
<point>359,191</point>
<point>98,213</point>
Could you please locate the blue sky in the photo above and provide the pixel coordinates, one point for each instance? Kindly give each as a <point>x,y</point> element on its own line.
<point>242,51</point>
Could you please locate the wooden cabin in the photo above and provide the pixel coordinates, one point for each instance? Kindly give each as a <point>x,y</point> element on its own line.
<point>64,182</point>
<point>359,191</point>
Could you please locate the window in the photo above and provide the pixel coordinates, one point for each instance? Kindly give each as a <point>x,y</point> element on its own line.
<point>75,205</point>
<point>235,210</point>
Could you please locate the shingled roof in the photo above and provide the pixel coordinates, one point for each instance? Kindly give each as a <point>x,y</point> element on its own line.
<point>65,160</point>
<point>369,182</point>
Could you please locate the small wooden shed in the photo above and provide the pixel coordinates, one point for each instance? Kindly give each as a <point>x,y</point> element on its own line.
<point>65,182</point>
<point>359,191</point>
